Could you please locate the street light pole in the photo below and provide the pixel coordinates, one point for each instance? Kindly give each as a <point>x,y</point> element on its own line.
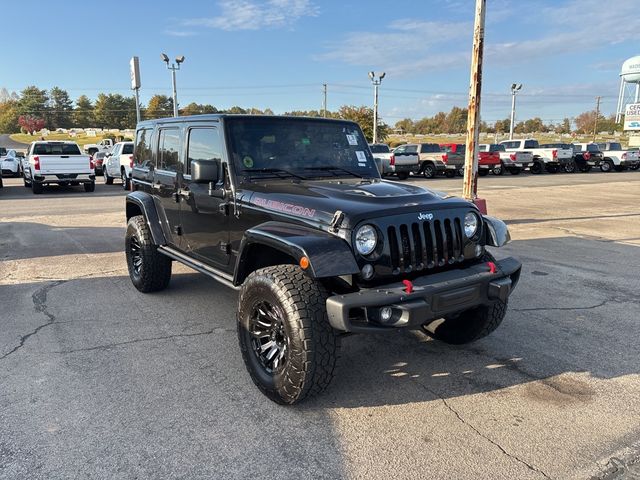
<point>376,83</point>
<point>515,88</point>
<point>173,67</point>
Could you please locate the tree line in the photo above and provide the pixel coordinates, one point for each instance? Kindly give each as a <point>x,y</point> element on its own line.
<point>34,108</point>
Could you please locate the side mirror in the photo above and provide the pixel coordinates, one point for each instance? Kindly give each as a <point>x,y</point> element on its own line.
<point>205,171</point>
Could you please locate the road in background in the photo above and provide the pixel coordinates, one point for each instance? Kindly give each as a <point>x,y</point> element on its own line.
<point>100,381</point>
<point>7,142</point>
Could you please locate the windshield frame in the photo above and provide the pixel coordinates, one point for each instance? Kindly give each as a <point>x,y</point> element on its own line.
<point>232,122</point>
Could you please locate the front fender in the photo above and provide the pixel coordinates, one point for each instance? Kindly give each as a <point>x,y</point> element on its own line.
<point>141,203</point>
<point>329,256</point>
<point>496,232</point>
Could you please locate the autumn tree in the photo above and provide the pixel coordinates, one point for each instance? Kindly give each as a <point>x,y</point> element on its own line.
<point>159,106</point>
<point>406,125</point>
<point>363,116</point>
<point>9,116</point>
<point>30,123</point>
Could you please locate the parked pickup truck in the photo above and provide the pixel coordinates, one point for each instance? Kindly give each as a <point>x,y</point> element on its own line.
<point>487,160</point>
<point>587,156</point>
<point>435,161</point>
<point>59,163</point>
<point>103,145</point>
<point>544,159</point>
<point>568,167</point>
<point>616,158</point>
<point>512,162</point>
<point>400,162</point>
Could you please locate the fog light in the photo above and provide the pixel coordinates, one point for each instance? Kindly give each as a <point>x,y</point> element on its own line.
<point>385,314</point>
<point>479,250</point>
<point>367,271</point>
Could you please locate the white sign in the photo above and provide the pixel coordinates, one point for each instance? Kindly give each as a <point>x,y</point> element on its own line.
<point>134,67</point>
<point>632,117</point>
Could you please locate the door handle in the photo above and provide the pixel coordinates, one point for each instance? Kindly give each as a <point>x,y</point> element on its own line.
<point>156,186</point>
<point>184,193</point>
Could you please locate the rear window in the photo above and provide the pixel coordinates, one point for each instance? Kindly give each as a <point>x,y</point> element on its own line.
<point>614,146</point>
<point>530,144</point>
<point>3,151</point>
<point>592,147</point>
<point>496,148</point>
<point>379,148</point>
<point>127,149</point>
<point>430,148</point>
<point>56,149</point>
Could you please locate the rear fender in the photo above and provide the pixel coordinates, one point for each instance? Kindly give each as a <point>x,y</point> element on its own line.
<point>141,203</point>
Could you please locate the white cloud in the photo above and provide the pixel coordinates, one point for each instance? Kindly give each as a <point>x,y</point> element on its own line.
<point>255,15</point>
<point>180,33</point>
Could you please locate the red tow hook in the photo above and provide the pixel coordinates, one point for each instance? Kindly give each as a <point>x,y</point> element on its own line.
<point>492,267</point>
<point>408,285</point>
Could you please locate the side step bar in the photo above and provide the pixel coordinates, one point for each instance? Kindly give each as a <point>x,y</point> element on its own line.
<point>201,267</point>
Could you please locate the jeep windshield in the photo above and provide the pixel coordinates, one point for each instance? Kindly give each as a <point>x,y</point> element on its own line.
<point>298,147</point>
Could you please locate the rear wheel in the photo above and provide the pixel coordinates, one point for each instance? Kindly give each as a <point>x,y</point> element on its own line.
<point>570,167</point>
<point>402,175</point>
<point>498,169</point>
<point>552,168</point>
<point>36,187</point>
<point>619,168</point>
<point>149,270</point>
<point>484,172</point>
<point>106,178</point>
<point>287,343</point>
<point>125,180</point>
<point>635,167</point>
<point>89,187</point>
<point>536,168</point>
<point>429,170</point>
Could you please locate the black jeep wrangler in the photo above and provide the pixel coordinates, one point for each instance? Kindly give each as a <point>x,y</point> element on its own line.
<point>292,212</point>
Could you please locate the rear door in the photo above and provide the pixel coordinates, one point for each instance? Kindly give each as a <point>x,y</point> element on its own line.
<point>205,220</point>
<point>166,178</point>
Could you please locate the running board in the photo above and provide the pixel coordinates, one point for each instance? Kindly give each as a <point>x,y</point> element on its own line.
<point>221,277</point>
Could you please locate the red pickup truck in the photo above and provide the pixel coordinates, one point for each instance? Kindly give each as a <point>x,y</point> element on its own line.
<point>486,163</point>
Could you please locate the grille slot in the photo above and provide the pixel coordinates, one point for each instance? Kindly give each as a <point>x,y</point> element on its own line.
<point>425,245</point>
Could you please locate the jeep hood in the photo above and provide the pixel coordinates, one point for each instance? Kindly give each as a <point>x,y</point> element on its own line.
<point>319,200</point>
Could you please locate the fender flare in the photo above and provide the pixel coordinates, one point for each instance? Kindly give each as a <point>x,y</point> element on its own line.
<point>496,232</point>
<point>141,203</point>
<point>329,256</point>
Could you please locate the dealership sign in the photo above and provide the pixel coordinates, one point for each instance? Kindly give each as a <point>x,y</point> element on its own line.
<point>632,117</point>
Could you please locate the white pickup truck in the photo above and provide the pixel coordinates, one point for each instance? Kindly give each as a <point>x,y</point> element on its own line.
<point>59,163</point>
<point>399,162</point>
<point>550,159</point>
<point>616,158</point>
<point>512,162</point>
<point>103,145</point>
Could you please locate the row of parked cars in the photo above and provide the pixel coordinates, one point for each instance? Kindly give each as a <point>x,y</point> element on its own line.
<point>63,163</point>
<point>513,156</point>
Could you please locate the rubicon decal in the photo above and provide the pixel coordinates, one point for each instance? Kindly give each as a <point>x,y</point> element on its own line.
<point>284,207</point>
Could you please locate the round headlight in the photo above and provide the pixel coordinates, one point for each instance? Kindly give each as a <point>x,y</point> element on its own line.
<point>366,239</point>
<point>471,224</point>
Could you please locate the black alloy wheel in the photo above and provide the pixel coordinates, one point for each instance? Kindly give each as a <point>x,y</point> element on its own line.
<point>268,337</point>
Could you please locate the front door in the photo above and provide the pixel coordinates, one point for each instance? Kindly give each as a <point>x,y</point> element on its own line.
<point>204,218</point>
<point>166,178</point>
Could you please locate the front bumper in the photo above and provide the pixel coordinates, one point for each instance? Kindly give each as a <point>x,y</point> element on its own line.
<point>433,297</point>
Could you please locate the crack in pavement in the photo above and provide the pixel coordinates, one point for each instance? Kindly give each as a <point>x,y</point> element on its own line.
<point>479,433</point>
<point>39,299</point>
<point>539,309</point>
<point>139,340</point>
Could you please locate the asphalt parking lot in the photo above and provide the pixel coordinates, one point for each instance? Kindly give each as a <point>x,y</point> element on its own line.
<point>100,381</point>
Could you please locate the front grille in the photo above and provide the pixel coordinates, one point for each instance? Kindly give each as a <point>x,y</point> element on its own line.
<point>425,245</point>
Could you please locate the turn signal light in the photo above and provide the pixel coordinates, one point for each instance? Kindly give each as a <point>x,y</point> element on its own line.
<point>131,161</point>
<point>304,263</point>
<point>445,158</point>
<point>392,160</point>
<point>36,162</point>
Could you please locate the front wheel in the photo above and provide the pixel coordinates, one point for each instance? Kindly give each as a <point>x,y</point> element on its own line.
<point>570,167</point>
<point>450,173</point>
<point>498,169</point>
<point>287,343</point>
<point>515,171</point>
<point>149,270</point>
<point>106,178</point>
<point>125,180</point>
<point>536,168</point>
<point>468,326</point>
<point>606,166</point>
<point>429,170</point>
<point>89,187</point>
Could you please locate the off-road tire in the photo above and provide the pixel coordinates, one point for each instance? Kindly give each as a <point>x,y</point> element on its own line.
<point>36,187</point>
<point>90,187</point>
<point>313,345</point>
<point>515,171</point>
<point>429,170</point>
<point>126,183</point>
<point>154,272</point>
<point>552,168</point>
<point>634,167</point>
<point>571,167</point>
<point>536,168</point>
<point>470,325</point>
<point>402,175</point>
<point>483,173</point>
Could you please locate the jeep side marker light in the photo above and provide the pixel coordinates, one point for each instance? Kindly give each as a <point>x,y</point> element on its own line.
<point>304,263</point>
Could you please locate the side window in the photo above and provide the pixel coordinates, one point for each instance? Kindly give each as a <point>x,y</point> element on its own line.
<point>142,153</point>
<point>400,149</point>
<point>169,150</point>
<point>203,144</point>
<point>412,149</point>
<point>530,144</point>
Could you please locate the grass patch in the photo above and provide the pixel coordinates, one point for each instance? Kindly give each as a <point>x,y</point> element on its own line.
<point>81,139</point>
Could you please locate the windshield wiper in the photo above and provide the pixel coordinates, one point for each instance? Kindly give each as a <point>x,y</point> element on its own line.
<point>278,171</point>
<point>334,169</point>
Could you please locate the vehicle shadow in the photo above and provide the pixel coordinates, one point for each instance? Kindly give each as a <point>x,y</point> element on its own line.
<point>13,190</point>
<point>22,240</point>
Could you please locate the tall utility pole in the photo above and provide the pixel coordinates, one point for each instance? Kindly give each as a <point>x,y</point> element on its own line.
<point>595,122</point>
<point>173,67</point>
<point>324,100</point>
<point>515,88</point>
<point>470,185</point>
<point>376,84</point>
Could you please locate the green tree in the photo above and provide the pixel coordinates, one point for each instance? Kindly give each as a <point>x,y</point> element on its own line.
<point>363,116</point>
<point>115,111</point>
<point>60,108</point>
<point>9,116</point>
<point>83,113</point>
<point>159,106</point>
<point>406,125</point>
<point>34,102</point>
<point>564,127</point>
<point>502,126</point>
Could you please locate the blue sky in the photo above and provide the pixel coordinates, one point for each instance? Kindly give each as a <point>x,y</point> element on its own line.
<point>277,53</point>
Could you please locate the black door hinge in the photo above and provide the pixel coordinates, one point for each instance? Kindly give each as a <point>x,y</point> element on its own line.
<point>177,230</point>
<point>225,247</point>
<point>223,208</point>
